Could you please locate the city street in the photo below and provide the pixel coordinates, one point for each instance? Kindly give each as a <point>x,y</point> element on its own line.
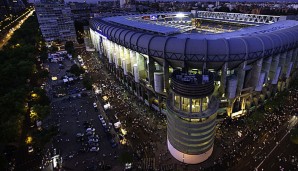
<point>13,27</point>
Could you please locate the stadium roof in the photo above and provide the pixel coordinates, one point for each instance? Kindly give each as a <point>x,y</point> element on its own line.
<point>247,31</point>
<point>250,43</point>
<point>142,25</point>
<point>131,21</point>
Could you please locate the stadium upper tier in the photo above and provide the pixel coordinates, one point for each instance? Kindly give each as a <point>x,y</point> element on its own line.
<point>249,43</point>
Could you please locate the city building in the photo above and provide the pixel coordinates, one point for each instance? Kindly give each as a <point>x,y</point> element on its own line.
<point>55,21</point>
<point>195,65</point>
<point>80,11</point>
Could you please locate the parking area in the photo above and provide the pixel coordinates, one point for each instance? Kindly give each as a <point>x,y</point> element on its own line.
<point>84,139</point>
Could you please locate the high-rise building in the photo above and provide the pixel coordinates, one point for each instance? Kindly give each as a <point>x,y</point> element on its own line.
<point>55,21</point>
<point>80,11</point>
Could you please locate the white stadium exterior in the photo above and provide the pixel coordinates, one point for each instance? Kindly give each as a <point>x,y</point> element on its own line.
<point>193,66</point>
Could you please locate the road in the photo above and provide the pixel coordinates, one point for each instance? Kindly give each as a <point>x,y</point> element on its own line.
<point>11,31</point>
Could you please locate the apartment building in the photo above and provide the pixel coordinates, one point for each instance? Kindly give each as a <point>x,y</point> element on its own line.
<point>55,21</point>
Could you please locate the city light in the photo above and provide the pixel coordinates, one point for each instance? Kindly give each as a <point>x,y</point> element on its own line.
<point>28,140</point>
<point>180,15</point>
<point>34,95</point>
<point>33,115</point>
<point>123,131</point>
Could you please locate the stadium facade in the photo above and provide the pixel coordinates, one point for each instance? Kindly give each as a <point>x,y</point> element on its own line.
<point>193,66</point>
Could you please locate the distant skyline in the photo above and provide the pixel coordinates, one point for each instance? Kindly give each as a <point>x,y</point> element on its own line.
<point>95,1</point>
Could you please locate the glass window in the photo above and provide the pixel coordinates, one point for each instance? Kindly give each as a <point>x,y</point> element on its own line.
<point>177,102</point>
<point>195,120</point>
<point>185,104</point>
<point>205,103</point>
<point>196,105</point>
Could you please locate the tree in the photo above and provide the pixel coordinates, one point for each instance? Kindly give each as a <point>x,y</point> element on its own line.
<point>44,53</point>
<point>76,70</point>
<point>69,47</point>
<point>41,111</point>
<point>53,48</point>
<point>42,97</point>
<point>87,83</point>
<point>126,157</point>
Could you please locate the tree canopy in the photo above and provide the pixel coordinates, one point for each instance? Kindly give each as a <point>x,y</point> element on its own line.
<point>76,70</point>
<point>69,47</point>
<point>20,76</point>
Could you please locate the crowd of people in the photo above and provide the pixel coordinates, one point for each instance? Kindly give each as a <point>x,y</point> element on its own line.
<point>146,128</point>
<point>256,140</point>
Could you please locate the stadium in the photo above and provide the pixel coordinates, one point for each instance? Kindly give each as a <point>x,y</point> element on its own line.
<point>196,66</point>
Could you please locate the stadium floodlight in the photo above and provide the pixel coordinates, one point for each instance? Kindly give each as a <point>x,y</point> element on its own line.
<point>180,15</point>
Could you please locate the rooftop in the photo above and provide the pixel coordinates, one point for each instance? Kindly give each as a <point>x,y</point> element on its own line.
<point>248,31</point>
<point>182,28</point>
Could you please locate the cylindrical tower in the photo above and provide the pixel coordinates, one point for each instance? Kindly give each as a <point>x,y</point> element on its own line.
<point>191,116</point>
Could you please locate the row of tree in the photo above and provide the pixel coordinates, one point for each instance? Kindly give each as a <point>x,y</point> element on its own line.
<point>21,76</point>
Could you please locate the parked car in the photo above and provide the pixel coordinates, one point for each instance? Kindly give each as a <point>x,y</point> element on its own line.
<point>94,149</point>
<point>90,133</point>
<point>90,129</point>
<point>104,124</point>
<point>93,140</point>
<point>30,149</point>
<point>80,135</point>
<point>95,106</point>
<point>100,118</point>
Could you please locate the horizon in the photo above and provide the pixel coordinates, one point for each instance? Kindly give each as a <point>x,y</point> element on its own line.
<point>95,1</point>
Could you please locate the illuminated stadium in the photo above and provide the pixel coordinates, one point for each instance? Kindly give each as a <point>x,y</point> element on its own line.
<point>197,66</point>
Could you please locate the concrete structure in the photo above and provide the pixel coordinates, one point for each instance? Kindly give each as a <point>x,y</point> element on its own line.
<point>244,66</point>
<point>191,116</point>
<point>55,21</point>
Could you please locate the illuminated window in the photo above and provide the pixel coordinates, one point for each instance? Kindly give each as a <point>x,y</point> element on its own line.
<point>185,104</point>
<point>205,103</point>
<point>196,105</point>
<point>177,102</point>
<point>195,120</point>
